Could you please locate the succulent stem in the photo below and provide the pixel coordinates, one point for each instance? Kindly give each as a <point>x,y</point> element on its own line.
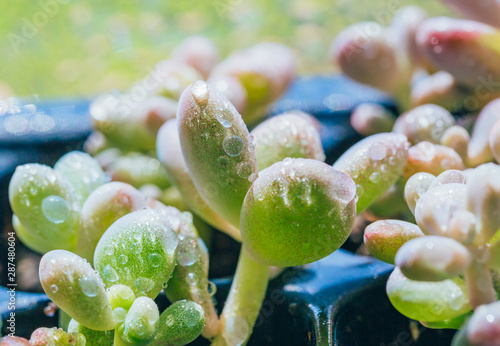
<point>243,303</point>
<point>64,320</point>
<point>479,284</point>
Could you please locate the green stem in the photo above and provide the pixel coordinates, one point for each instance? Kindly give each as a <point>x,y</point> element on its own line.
<point>243,303</point>
<point>64,320</point>
<point>479,284</point>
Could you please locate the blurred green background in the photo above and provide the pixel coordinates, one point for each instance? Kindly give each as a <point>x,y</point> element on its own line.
<point>68,48</point>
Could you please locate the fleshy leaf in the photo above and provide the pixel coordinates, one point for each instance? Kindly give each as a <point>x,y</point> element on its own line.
<point>415,188</point>
<point>432,258</point>
<point>424,123</point>
<point>56,337</point>
<point>461,48</point>
<point>431,158</point>
<point>483,328</point>
<point>199,52</point>
<point>72,284</point>
<point>169,153</point>
<point>217,149</point>
<point>265,70</point>
<point>180,324</point>
<point>494,140</point>
<point>138,251</point>
<point>45,205</point>
<point>82,172</point>
<point>137,170</point>
<point>457,138</point>
<point>437,207</point>
<point>483,200</point>
<point>92,337</point>
<point>292,135</point>
<point>364,53</point>
<point>384,238</point>
<point>141,323</point>
<point>371,118</point>
<point>104,206</point>
<point>276,223</point>
<point>479,149</point>
<point>374,164</point>
<point>452,323</point>
<point>427,301</point>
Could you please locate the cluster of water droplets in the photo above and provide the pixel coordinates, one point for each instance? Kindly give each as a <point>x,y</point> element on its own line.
<point>19,117</point>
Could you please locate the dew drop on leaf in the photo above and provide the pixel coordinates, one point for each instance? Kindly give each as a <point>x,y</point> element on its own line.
<point>233,145</point>
<point>109,273</point>
<point>89,286</point>
<point>143,284</point>
<point>55,209</point>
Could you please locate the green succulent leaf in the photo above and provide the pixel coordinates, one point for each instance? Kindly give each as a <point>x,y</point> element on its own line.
<point>169,153</point>
<point>217,149</point>
<point>92,337</point>
<point>44,202</point>
<point>82,171</point>
<point>375,164</point>
<point>139,251</point>
<point>141,323</point>
<point>433,258</point>
<point>424,123</point>
<point>298,211</point>
<point>104,206</point>
<point>427,301</point>
<point>180,324</point>
<point>138,170</point>
<point>384,238</point>
<point>294,135</point>
<point>73,285</point>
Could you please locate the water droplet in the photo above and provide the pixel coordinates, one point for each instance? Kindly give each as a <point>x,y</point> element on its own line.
<point>109,250</point>
<point>224,116</point>
<point>136,248</point>
<point>223,161</point>
<point>375,177</point>
<point>212,288</point>
<point>187,251</point>
<point>55,209</point>
<point>140,329</point>
<point>154,259</point>
<point>192,279</point>
<point>200,92</point>
<point>165,285</point>
<point>122,259</point>
<point>109,273</point>
<point>233,145</point>
<point>54,288</point>
<point>144,284</point>
<point>89,286</point>
<point>377,151</point>
<point>119,314</point>
<point>244,169</point>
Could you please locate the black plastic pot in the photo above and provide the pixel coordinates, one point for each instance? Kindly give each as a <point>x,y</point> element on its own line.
<point>339,300</point>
